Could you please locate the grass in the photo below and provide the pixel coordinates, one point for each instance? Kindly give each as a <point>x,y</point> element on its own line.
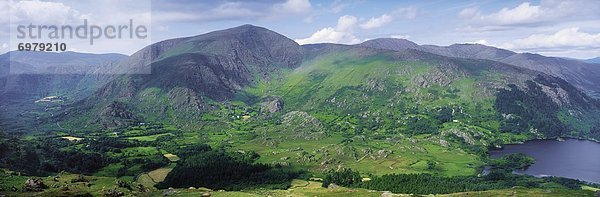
<point>405,156</point>
<point>95,185</point>
<point>171,157</point>
<point>160,174</point>
<point>140,151</point>
<point>301,188</point>
<point>525,192</point>
<point>585,187</point>
<point>110,170</point>
<point>148,138</point>
<point>71,138</point>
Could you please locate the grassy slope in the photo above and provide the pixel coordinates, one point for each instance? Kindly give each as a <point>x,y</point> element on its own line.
<point>379,86</point>
<point>299,188</point>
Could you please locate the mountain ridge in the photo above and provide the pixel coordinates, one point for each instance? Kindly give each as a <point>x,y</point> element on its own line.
<point>582,75</point>
<point>194,76</point>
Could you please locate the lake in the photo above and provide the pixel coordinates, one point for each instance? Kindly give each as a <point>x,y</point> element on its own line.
<point>571,158</point>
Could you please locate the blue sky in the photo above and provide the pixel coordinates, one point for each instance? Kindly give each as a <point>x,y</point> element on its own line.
<point>548,27</point>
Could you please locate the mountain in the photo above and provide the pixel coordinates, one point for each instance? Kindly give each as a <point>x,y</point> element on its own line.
<point>35,74</point>
<point>250,67</point>
<point>250,98</point>
<point>471,51</point>
<point>27,77</point>
<point>583,75</point>
<point>593,60</point>
<point>51,63</point>
<point>188,73</point>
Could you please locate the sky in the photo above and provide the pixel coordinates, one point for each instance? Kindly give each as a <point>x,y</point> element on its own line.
<point>548,27</point>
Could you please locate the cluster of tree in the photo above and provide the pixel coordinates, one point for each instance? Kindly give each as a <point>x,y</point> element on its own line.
<point>345,177</point>
<point>421,125</point>
<point>424,184</point>
<point>595,132</point>
<point>44,156</point>
<point>132,167</point>
<point>512,162</point>
<point>528,109</point>
<point>201,166</point>
<point>108,144</point>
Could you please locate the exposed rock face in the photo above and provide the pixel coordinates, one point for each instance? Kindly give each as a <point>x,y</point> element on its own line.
<point>185,99</point>
<point>467,138</point>
<point>116,115</point>
<point>272,105</point>
<point>433,78</point>
<point>295,118</point>
<point>303,125</point>
<point>34,184</point>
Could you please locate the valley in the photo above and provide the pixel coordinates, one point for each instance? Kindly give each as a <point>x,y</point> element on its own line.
<point>277,118</point>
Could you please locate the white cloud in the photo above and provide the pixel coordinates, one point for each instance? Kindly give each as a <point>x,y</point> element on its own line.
<point>42,12</point>
<point>410,12</point>
<point>346,23</point>
<point>400,36</point>
<point>230,10</point>
<point>377,22</point>
<point>337,6</point>
<point>329,35</point>
<point>569,38</point>
<point>401,13</point>
<point>547,12</point>
<point>293,6</point>
<point>342,33</point>
<point>51,12</point>
<point>470,12</point>
<point>524,13</point>
<point>163,28</point>
<point>482,42</point>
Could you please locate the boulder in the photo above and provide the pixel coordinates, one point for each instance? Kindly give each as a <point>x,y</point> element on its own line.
<point>34,184</point>
<point>113,193</point>
<point>332,186</point>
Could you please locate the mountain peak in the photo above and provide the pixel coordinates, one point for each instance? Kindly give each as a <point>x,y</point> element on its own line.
<point>247,29</point>
<point>390,44</point>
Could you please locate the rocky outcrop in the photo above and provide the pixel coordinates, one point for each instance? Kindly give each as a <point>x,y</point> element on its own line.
<point>185,99</point>
<point>34,184</point>
<point>116,115</point>
<point>303,126</point>
<point>272,105</point>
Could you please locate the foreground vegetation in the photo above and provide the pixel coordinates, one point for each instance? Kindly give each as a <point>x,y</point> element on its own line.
<point>401,126</point>
<point>72,185</point>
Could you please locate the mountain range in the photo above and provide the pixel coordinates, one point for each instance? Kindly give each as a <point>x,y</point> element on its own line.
<point>251,111</point>
<point>583,75</point>
<point>593,60</point>
<point>377,83</point>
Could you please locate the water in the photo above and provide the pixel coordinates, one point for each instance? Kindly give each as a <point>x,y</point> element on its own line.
<point>577,159</point>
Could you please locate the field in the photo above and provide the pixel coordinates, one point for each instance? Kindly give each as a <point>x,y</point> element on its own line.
<point>98,185</point>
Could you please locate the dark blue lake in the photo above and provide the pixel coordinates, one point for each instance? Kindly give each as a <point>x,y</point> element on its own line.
<point>571,158</point>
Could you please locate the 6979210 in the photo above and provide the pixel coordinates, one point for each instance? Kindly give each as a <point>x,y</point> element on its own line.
<point>57,46</point>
